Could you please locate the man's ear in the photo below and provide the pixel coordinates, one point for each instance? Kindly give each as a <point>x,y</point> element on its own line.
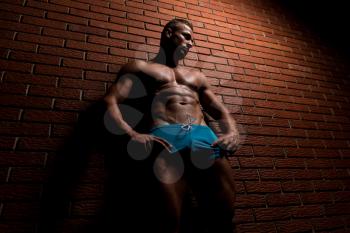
<point>168,32</point>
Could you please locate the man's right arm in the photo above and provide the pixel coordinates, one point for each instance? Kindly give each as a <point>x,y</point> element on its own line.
<point>117,93</point>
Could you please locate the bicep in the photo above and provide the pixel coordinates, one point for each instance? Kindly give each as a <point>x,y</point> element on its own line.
<point>211,103</point>
<point>121,88</point>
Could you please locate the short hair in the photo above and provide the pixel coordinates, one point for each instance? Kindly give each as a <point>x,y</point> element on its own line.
<point>173,24</point>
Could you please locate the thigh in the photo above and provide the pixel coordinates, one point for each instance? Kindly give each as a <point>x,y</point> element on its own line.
<point>214,187</point>
<point>168,170</point>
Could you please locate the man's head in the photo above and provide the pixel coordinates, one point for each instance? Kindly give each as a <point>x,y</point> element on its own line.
<point>177,35</point>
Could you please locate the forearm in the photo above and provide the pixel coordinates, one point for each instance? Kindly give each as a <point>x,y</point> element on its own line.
<point>227,124</point>
<point>115,113</point>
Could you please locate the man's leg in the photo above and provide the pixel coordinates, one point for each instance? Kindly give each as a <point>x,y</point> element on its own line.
<point>215,192</point>
<point>168,170</point>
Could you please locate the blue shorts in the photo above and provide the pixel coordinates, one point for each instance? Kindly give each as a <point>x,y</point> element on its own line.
<point>195,138</point>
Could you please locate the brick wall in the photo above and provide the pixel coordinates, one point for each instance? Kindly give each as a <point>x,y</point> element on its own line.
<point>287,89</point>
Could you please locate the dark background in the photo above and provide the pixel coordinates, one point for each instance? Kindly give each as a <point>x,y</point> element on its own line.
<point>327,19</point>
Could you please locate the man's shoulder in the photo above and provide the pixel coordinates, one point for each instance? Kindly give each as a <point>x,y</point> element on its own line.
<point>193,72</point>
<point>134,66</point>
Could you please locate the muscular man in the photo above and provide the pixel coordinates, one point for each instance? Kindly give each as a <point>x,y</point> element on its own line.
<point>193,154</point>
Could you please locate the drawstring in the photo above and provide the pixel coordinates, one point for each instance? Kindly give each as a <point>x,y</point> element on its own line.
<point>188,125</point>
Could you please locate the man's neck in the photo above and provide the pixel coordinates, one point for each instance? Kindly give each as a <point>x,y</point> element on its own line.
<point>166,58</point>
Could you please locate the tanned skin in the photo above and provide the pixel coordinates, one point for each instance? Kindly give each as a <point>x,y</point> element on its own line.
<point>180,92</point>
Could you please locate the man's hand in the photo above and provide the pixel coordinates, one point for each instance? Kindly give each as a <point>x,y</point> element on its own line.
<point>148,139</point>
<point>228,141</point>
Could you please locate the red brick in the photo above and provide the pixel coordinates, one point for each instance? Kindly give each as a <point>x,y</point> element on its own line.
<point>256,228</point>
<point>32,159</point>
<point>268,151</point>
<point>297,186</point>
<point>12,77</point>
<point>283,199</point>
<point>337,209</point>
<point>49,116</point>
<point>127,37</point>
<point>249,201</point>
<point>216,74</point>
<point>63,52</point>
<point>15,66</point>
<point>268,121</point>
<point>162,17</point>
<point>316,198</point>
<point>7,143</point>
<point>43,22</point>
<point>326,223</point>
<point>70,105</point>
<point>107,26</point>
<point>107,41</point>
<point>307,211</point>
<point>272,213</point>
<point>243,215</point>
<point>144,6</point>
<point>87,29</point>
<point>294,226</point>
<point>47,6</point>
<point>311,174</point>
<point>107,11</point>
<point>34,58</point>
<point>20,192</point>
<point>327,185</point>
<point>9,16</point>
<point>86,65</point>
<point>290,163</point>
<point>86,208</point>
<point>9,113</point>
<point>90,15</point>
<point>46,40</point>
<point>23,175</point>
<point>64,34</point>
<point>224,54</point>
<point>58,71</point>
<point>54,92</point>
<point>269,174</point>
<point>88,191</point>
<point>25,101</point>
<point>105,58</point>
<point>22,10</point>
<point>257,162</point>
<point>82,84</point>
<point>67,18</point>
<point>23,129</point>
<point>263,187</point>
<point>10,88</point>
<point>69,3</point>
<point>19,27</point>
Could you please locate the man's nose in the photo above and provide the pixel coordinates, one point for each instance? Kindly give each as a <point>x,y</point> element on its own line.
<point>189,44</point>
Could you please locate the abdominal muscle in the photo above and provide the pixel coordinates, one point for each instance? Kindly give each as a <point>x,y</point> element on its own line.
<point>176,105</point>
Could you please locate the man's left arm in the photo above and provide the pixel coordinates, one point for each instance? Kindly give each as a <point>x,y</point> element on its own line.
<point>229,138</point>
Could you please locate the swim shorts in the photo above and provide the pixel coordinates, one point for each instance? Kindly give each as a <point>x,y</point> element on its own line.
<point>195,138</point>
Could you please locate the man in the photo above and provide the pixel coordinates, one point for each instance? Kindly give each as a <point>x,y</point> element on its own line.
<point>193,154</point>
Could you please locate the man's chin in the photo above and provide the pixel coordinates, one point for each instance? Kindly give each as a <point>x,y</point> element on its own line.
<point>180,54</point>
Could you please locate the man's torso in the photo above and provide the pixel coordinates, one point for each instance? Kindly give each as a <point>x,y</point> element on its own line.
<point>176,94</point>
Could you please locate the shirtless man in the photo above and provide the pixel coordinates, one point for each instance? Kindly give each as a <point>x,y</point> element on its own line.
<point>176,120</point>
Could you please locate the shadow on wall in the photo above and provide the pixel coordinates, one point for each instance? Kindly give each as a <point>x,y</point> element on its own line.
<point>128,200</point>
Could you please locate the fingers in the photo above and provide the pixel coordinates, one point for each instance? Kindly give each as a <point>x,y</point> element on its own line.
<point>226,143</point>
<point>148,145</point>
<point>162,141</point>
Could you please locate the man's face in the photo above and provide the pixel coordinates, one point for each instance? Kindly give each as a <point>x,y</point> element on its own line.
<point>183,40</point>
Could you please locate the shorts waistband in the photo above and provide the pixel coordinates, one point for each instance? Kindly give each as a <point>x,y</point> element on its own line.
<point>177,125</point>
